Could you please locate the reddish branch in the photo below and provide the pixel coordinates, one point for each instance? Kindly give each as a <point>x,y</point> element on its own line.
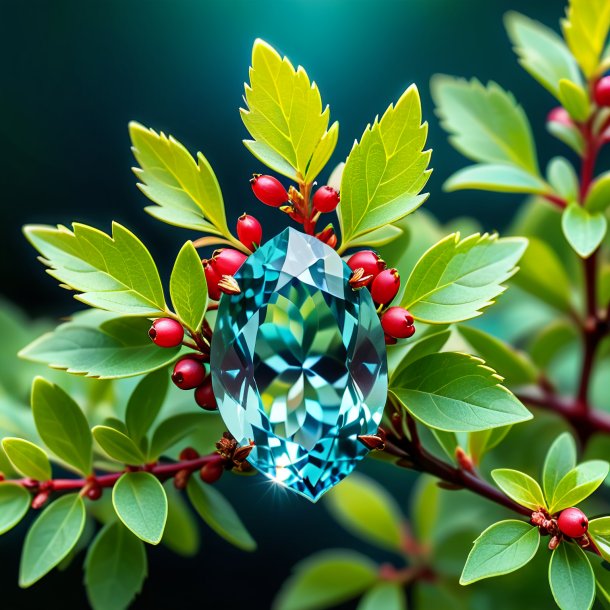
<point>94,483</point>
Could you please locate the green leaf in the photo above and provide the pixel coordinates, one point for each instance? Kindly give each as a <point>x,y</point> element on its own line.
<point>484,123</point>
<point>455,279</point>
<point>97,344</point>
<point>456,392</point>
<point>598,197</point>
<point>181,534</point>
<point>115,568</point>
<point>29,459</point>
<point>14,505</point>
<point>571,578</point>
<point>186,189</point>
<point>145,403</point>
<point>141,504</point>
<point>551,340</point>
<point>367,510</point>
<point>265,154</point>
<point>513,364</point>
<point>378,237</point>
<point>325,580</point>
<point>599,531</point>
<point>402,355</point>
<point>520,487</point>
<point>62,425</point>
<point>497,177</point>
<point>586,30</point>
<point>323,152</point>
<point>575,100</point>
<point>113,273</point>
<point>584,231</point>
<point>568,134</point>
<point>560,459</point>
<point>386,595</point>
<point>188,287</point>
<point>385,171</point>
<point>479,443</point>
<point>502,548</point>
<point>541,52</point>
<point>543,275</point>
<point>284,108</point>
<point>173,430</point>
<point>563,178</point>
<point>51,538</point>
<point>219,514</point>
<point>578,484</point>
<point>118,445</point>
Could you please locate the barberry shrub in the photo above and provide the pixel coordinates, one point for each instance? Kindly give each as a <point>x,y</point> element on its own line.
<point>503,414</point>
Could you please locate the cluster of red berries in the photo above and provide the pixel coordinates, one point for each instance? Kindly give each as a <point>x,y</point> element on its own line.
<point>271,192</point>
<point>370,270</point>
<point>189,372</point>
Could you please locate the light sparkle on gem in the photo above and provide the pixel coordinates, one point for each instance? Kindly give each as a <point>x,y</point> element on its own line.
<point>299,364</point>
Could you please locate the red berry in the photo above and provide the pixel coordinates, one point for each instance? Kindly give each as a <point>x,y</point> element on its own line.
<point>326,199</point>
<point>367,260</point>
<point>204,395</point>
<point>385,286</point>
<point>398,322</point>
<point>211,472</point>
<point>559,115</point>
<point>212,279</point>
<point>188,373</point>
<point>269,190</point>
<point>166,332</point>
<point>573,522</point>
<point>602,91</point>
<point>189,453</point>
<point>95,492</point>
<point>249,231</point>
<point>227,261</point>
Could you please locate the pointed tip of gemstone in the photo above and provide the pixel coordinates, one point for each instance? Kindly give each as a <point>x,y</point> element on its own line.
<point>299,364</point>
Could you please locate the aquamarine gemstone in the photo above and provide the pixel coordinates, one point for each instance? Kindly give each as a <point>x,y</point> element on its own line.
<point>299,364</point>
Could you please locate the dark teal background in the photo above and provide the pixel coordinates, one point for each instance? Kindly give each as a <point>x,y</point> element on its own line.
<point>74,73</point>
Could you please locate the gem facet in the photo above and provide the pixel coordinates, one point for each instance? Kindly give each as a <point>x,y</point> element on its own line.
<point>299,364</point>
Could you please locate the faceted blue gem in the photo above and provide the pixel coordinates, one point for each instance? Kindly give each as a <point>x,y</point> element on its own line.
<point>299,364</point>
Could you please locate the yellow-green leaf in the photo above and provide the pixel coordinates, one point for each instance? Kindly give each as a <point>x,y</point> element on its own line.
<point>385,171</point>
<point>29,459</point>
<point>585,30</point>
<point>284,109</point>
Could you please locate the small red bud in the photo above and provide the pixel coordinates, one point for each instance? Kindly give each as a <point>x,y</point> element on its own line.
<point>204,395</point>
<point>554,542</point>
<point>211,472</point>
<point>94,492</point>
<point>367,260</point>
<point>325,233</point>
<point>573,522</point>
<point>332,241</point>
<point>269,190</point>
<point>227,261</point>
<point>188,453</point>
<point>326,199</point>
<point>40,499</point>
<point>464,460</point>
<point>166,332</point>
<point>390,340</point>
<point>385,286</point>
<point>559,115</point>
<point>249,231</point>
<point>398,322</point>
<point>601,92</point>
<point>212,278</point>
<point>181,478</point>
<point>188,373</point>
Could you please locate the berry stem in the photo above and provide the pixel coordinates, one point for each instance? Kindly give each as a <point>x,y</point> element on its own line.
<point>161,471</point>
